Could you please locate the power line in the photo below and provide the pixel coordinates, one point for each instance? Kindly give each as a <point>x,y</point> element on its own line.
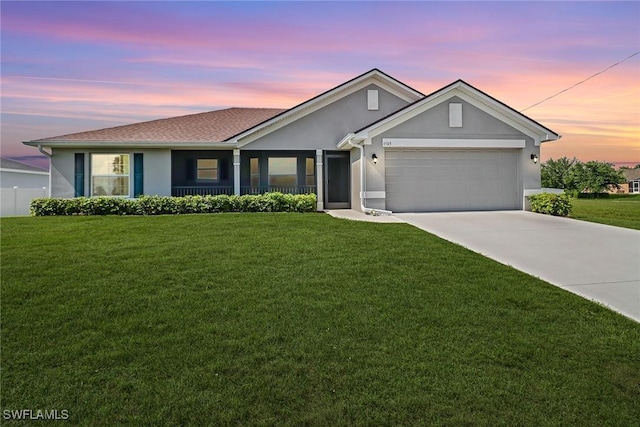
<point>580,82</point>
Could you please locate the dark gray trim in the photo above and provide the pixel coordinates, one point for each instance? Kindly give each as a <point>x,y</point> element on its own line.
<point>184,164</point>
<point>333,189</point>
<point>138,174</point>
<point>263,165</point>
<point>79,175</point>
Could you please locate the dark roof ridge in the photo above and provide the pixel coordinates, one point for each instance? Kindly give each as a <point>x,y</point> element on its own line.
<point>508,107</point>
<point>445,88</point>
<point>324,93</point>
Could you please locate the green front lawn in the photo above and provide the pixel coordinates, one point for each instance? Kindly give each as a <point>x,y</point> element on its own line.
<point>296,319</point>
<point>619,210</point>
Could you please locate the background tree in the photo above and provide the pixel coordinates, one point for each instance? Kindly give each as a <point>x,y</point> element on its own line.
<point>597,177</point>
<point>577,177</point>
<point>559,173</point>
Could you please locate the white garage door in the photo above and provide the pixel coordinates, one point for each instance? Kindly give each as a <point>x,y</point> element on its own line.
<point>423,180</point>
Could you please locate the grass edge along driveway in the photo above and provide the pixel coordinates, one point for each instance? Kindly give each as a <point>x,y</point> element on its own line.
<point>618,210</point>
<point>289,319</point>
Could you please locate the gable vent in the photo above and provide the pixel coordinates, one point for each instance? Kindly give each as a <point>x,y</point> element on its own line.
<point>455,115</point>
<point>372,100</point>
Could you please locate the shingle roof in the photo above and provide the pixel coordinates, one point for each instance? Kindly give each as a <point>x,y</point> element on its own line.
<point>212,126</point>
<point>6,163</point>
<point>631,174</point>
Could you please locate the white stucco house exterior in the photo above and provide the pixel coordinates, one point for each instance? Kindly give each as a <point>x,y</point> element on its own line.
<point>372,142</point>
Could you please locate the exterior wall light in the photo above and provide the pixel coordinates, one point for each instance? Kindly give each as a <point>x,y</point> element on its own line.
<point>534,158</point>
<point>374,158</point>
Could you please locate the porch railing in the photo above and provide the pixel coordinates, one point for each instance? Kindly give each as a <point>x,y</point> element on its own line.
<point>200,191</point>
<point>308,189</point>
<point>178,191</point>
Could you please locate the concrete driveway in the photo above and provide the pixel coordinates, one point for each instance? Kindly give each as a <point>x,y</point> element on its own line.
<point>595,261</point>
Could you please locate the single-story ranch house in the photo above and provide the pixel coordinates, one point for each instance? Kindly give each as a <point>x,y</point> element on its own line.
<point>370,143</point>
<point>632,186</point>
<point>21,175</point>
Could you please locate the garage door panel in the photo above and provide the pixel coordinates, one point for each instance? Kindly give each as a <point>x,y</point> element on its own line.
<point>451,180</point>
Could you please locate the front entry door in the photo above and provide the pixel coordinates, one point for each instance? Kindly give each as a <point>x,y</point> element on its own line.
<point>337,183</point>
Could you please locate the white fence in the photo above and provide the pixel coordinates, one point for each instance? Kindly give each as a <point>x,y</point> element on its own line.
<point>553,190</point>
<point>15,201</point>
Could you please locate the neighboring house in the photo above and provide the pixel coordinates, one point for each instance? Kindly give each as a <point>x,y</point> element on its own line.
<point>370,143</point>
<point>632,184</point>
<point>22,175</point>
<point>19,184</point>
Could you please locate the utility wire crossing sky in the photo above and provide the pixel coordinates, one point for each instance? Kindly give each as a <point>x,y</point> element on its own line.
<point>580,82</point>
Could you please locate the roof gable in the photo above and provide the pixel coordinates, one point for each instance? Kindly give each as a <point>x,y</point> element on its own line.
<point>468,93</point>
<point>374,76</point>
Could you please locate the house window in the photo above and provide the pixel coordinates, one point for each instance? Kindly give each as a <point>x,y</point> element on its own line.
<point>283,171</point>
<point>255,171</point>
<point>207,170</point>
<point>110,175</point>
<point>310,172</point>
<point>634,187</point>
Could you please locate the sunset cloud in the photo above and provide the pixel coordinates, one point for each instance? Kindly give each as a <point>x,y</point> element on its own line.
<point>71,66</point>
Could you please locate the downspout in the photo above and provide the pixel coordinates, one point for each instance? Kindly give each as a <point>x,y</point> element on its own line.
<point>40,149</point>
<point>363,186</point>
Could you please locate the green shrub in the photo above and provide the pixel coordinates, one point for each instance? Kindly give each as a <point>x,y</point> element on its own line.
<point>304,202</point>
<point>551,204</point>
<point>46,207</point>
<point>165,205</point>
<point>221,203</point>
<point>157,205</point>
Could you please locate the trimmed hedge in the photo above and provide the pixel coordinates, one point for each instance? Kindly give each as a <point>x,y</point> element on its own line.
<point>551,204</point>
<point>161,205</point>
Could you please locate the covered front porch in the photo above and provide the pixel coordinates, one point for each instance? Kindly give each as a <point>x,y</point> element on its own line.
<point>201,172</point>
<point>214,172</point>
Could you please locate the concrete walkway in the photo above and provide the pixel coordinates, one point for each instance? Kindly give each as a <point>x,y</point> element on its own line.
<point>360,216</point>
<point>595,261</point>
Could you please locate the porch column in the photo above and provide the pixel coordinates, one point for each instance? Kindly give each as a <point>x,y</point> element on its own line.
<point>319,180</point>
<point>236,171</point>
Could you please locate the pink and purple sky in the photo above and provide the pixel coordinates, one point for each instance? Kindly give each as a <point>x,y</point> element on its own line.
<point>74,66</point>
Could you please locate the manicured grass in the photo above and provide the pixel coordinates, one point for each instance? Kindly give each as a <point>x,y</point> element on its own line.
<point>618,210</point>
<point>296,319</point>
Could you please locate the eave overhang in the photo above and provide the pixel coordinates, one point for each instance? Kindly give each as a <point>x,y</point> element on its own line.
<point>465,91</point>
<point>374,76</point>
<point>180,145</point>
